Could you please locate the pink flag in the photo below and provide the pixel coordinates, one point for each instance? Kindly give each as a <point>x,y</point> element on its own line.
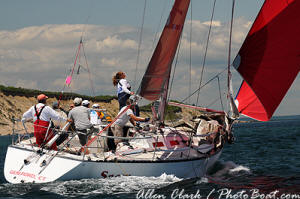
<point>68,80</point>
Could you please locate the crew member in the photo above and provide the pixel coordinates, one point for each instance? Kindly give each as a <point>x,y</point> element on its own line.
<point>124,118</point>
<point>61,112</point>
<point>41,115</point>
<point>123,88</point>
<point>80,116</point>
<point>86,103</point>
<point>58,124</point>
<point>95,115</point>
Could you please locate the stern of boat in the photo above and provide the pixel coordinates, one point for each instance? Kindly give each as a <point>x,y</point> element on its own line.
<point>24,165</point>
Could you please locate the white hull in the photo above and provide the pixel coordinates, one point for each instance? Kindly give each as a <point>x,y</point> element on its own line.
<point>69,167</point>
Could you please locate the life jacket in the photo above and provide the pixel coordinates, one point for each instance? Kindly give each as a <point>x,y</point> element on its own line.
<point>121,89</point>
<point>100,114</point>
<point>104,116</point>
<point>38,114</point>
<point>40,129</point>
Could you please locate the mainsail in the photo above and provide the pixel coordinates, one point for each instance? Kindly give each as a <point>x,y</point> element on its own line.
<point>269,59</point>
<point>156,78</point>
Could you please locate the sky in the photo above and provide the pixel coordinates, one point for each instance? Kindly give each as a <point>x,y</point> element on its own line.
<point>39,39</point>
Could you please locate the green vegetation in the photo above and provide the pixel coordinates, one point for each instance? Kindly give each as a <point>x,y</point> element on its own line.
<point>173,109</point>
<point>13,91</point>
<point>170,111</point>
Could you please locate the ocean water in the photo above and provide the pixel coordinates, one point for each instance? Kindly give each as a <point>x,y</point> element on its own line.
<point>264,162</point>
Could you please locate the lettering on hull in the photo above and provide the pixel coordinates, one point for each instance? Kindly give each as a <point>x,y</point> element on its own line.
<point>28,175</point>
<point>105,174</point>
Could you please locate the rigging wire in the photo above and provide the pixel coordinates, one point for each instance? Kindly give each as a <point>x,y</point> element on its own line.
<point>84,54</point>
<point>77,56</point>
<point>90,78</point>
<point>182,101</point>
<point>175,66</point>
<point>205,52</point>
<point>72,71</point>
<point>190,64</point>
<point>159,24</point>
<point>174,70</point>
<point>139,46</point>
<point>229,90</point>
<point>213,102</point>
<point>173,75</point>
<point>190,72</point>
<point>229,45</point>
<point>157,30</point>
<point>79,46</point>
<point>220,94</point>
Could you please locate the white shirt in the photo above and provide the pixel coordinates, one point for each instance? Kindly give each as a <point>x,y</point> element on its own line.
<point>123,119</point>
<point>123,86</point>
<point>94,117</point>
<point>47,113</point>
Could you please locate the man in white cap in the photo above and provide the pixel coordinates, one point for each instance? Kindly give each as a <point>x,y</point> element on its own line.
<point>86,103</point>
<point>96,106</point>
<point>41,115</point>
<point>80,116</point>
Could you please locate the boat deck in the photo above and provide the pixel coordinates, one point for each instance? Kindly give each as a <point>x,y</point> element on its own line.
<point>170,146</point>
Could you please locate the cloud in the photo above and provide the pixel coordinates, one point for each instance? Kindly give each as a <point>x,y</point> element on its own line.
<point>110,62</point>
<point>213,23</point>
<point>114,42</point>
<point>41,57</point>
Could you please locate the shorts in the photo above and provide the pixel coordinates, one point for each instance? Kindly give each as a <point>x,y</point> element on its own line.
<point>118,132</point>
<point>84,134</point>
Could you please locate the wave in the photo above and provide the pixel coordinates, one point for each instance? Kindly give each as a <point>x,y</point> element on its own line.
<point>86,188</point>
<point>240,168</point>
<point>222,169</point>
<point>110,186</point>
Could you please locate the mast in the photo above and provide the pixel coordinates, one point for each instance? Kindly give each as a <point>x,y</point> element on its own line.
<point>233,108</point>
<point>163,102</point>
<point>155,81</point>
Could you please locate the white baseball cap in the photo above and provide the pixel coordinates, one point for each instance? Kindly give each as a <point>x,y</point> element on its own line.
<point>77,101</point>
<point>95,106</point>
<point>85,102</point>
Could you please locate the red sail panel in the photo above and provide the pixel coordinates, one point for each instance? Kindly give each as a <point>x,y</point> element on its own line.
<point>159,68</point>
<point>248,104</point>
<point>269,59</point>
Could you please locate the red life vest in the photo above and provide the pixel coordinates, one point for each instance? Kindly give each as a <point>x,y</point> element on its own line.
<point>40,130</point>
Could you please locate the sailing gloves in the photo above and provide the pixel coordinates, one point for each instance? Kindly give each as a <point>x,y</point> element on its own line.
<point>147,119</point>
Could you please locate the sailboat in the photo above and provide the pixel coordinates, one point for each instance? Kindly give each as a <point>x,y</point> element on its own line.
<point>267,61</point>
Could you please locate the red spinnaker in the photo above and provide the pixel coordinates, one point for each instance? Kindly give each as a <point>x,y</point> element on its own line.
<point>269,59</point>
<point>159,68</point>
